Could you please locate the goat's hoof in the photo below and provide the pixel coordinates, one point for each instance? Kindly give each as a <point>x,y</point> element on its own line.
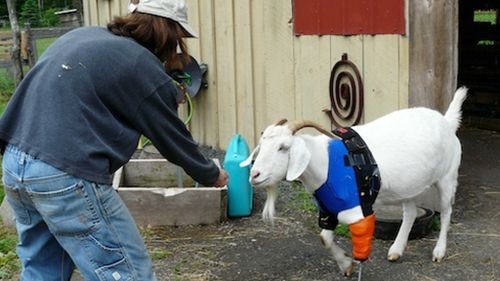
<point>438,254</point>
<point>437,259</point>
<point>393,257</point>
<point>348,271</point>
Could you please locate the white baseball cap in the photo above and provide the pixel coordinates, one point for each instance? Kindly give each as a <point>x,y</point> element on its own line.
<point>173,9</point>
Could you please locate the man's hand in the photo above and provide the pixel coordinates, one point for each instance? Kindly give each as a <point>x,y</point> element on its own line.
<point>222,179</point>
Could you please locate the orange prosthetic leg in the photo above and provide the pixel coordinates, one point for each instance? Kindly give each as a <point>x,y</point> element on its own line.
<point>361,236</point>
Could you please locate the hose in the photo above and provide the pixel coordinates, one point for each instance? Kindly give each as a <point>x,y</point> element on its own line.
<point>190,108</point>
<point>190,105</point>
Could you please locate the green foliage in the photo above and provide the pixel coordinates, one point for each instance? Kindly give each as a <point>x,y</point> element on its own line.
<point>436,223</point>
<point>302,199</point>
<point>49,18</point>
<point>342,230</point>
<point>6,86</point>
<point>8,244</point>
<point>30,13</point>
<point>9,263</point>
<point>159,254</point>
<point>2,194</point>
<point>304,202</point>
<point>489,16</point>
<point>43,43</point>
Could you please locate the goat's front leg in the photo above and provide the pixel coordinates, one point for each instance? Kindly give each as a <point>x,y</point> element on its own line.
<point>343,260</point>
<point>399,245</point>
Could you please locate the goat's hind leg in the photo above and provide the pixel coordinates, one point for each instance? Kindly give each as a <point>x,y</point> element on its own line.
<point>399,245</point>
<point>343,260</point>
<point>447,187</point>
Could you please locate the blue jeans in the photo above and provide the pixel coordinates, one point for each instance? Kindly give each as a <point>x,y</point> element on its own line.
<point>63,221</point>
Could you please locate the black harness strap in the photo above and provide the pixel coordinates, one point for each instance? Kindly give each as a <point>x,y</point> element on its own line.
<point>365,167</point>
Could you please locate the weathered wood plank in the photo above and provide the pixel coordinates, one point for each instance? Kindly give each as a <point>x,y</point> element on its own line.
<point>94,13</point>
<point>175,206</point>
<point>279,79</point>
<point>312,72</point>
<point>104,9</point>
<point>259,68</point>
<point>226,69</point>
<point>404,66</point>
<point>381,75</point>
<point>207,112</point>
<point>244,70</point>
<point>194,50</point>
<point>433,41</point>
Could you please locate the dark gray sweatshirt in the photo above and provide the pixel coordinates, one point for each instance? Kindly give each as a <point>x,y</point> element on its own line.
<point>85,103</point>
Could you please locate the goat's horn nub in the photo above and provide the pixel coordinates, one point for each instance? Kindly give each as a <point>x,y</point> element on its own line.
<point>281,122</point>
<point>297,125</point>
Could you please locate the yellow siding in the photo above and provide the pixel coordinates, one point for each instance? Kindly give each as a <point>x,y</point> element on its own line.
<point>259,72</point>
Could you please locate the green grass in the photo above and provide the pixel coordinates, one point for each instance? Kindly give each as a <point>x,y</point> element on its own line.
<point>159,254</point>
<point>304,202</point>
<point>43,44</point>
<point>2,194</point>
<point>9,263</point>
<point>302,199</point>
<point>487,16</point>
<point>6,88</point>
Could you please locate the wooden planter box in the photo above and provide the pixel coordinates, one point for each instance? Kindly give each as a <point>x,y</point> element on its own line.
<point>157,192</point>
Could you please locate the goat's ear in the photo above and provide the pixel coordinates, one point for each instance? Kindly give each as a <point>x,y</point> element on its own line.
<point>250,158</point>
<point>299,158</point>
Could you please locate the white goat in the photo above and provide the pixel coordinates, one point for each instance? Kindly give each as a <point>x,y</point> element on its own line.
<point>415,149</point>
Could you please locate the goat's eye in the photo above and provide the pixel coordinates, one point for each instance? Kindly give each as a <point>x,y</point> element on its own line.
<point>283,148</point>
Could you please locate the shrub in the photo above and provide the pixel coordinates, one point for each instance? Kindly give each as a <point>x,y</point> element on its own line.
<point>30,13</point>
<point>49,18</point>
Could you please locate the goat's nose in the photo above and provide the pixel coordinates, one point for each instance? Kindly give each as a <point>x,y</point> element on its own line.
<point>254,174</point>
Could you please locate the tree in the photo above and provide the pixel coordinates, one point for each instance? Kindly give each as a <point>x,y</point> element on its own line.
<point>16,44</point>
<point>30,12</point>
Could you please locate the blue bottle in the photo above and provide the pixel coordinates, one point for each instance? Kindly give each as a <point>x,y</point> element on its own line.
<point>239,190</point>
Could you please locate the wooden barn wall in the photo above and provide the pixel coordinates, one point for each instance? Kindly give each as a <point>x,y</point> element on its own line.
<point>433,53</point>
<point>259,72</point>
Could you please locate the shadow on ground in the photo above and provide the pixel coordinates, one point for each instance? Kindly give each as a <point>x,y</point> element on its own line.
<point>248,249</point>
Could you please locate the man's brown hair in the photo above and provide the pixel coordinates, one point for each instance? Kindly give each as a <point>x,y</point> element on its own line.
<point>162,36</point>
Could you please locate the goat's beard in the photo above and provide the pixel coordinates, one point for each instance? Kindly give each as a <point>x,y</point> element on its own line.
<point>269,210</point>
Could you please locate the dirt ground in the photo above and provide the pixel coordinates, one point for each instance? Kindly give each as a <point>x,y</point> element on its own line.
<point>249,249</point>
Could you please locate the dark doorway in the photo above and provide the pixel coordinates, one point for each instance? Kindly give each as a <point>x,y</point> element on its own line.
<point>479,61</point>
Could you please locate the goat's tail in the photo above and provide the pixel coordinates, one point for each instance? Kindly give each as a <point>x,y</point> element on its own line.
<point>454,113</point>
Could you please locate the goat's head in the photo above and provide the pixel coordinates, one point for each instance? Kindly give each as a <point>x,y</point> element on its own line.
<point>280,154</point>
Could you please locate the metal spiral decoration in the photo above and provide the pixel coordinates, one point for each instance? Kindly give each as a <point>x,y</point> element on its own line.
<point>346,94</point>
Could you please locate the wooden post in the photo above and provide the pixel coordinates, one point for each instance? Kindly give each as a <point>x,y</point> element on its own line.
<point>433,53</point>
<point>16,42</point>
<point>30,45</point>
<point>78,5</point>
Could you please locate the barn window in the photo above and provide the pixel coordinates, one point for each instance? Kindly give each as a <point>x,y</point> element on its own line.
<point>348,17</point>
